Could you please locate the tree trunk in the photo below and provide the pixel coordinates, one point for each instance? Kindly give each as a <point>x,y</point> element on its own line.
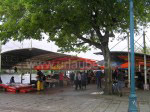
<point>108,70</point>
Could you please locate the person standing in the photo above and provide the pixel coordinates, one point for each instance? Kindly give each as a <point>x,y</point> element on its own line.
<point>72,77</point>
<point>61,78</point>
<point>39,75</point>
<point>140,80</point>
<point>114,75</point>
<point>98,79</point>
<point>120,78</point>
<point>88,77</point>
<point>44,81</point>
<point>15,69</point>
<point>77,80</point>
<point>83,80</point>
<point>39,80</point>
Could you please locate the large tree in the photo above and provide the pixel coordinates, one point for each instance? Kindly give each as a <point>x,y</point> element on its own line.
<point>74,25</point>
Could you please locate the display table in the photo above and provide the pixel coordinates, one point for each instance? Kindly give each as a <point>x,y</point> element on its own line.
<point>52,82</point>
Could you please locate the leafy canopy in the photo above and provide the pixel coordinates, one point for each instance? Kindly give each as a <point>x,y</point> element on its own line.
<point>73,24</point>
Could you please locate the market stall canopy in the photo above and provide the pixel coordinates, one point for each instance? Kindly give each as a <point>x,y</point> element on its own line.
<point>68,63</point>
<point>120,59</point>
<point>23,57</point>
<point>125,65</point>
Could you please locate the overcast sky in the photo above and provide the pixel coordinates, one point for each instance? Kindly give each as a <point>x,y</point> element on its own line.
<point>115,45</point>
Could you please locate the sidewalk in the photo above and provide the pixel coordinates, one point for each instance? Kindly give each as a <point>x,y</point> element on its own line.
<point>69,100</point>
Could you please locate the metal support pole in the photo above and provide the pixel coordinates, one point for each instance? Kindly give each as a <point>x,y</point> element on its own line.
<point>31,43</point>
<point>31,63</point>
<point>21,72</point>
<point>132,97</point>
<point>21,44</point>
<point>21,78</point>
<point>145,66</point>
<point>139,67</point>
<point>30,71</point>
<point>128,62</point>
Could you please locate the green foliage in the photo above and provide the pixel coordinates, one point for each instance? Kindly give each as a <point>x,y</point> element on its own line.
<point>74,25</point>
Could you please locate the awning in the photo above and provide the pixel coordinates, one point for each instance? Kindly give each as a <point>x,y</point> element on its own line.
<point>125,65</point>
<point>121,58</point>
<point>23,57</point>
<point>68,63</point>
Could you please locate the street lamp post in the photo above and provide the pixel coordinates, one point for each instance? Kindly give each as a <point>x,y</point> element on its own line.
<point>132,97</point>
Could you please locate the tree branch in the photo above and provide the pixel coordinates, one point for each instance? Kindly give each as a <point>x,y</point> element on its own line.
<point>98,33</point>
<point>78,44</point>
<point>92,34</point>
<point>94,24</point>
<point>98,45</point>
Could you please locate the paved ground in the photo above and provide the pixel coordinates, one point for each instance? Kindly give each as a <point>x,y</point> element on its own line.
<point>69,100</point>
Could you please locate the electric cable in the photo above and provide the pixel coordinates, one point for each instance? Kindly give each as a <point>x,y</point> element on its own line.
<point>137,48</point>
<point>147,38</point>
<point>134,43</point>
<point>139,44</point>
<point>116,44</point>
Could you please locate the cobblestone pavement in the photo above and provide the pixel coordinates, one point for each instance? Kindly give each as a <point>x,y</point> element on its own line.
<point>69,100</point>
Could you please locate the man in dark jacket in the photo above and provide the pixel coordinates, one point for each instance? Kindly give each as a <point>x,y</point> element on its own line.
<point>39,80</point>
<point>72,77</point>
<point>40,75</point>
<point>83,79</point>
<point>120,77</point>
<point>98,78</point>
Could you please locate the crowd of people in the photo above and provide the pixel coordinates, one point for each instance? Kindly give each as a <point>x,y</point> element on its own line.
<point>80,79</point>
<point>77,78</point>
